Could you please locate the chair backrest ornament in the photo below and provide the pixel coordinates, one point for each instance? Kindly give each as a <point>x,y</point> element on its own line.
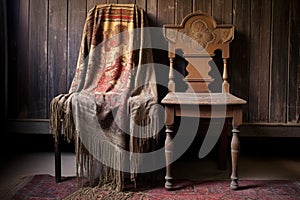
<point>199,37</point>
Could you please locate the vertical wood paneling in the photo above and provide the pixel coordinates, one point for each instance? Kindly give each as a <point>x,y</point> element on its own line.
<point>112,1</point>
<point>3,52</point>
<point>126,1</point>
<point>38,51</point>
<point>57,51</point>
<point>142,4</point>
<point>166,12</point>
<point>264,66</point>
<point>203,5</point>
<point>182,8</point>
<point>92,3</point>
<point>293,112</point>
<point>279,61</point>
<point>222,10</point>
<point>18,46</point>
<point>18,59</point>
<point>240,54</point>
<point>152,8</point>
<point>22,59</point>
<point>12,22</point>
<point>76,19</point>
<point>259,60</point>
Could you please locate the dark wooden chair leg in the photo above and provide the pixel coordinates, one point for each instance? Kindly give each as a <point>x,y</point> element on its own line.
<point>57,149</point>
<point>223,147</point>
<point>235,151</point>
<point>169,148</point>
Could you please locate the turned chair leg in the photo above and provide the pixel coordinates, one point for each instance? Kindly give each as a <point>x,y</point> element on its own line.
<point>169,147</point>
<point>235,150</point>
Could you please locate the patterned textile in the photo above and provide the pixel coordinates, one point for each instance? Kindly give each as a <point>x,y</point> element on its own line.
<point>112,100</point>
<point>44,187</point>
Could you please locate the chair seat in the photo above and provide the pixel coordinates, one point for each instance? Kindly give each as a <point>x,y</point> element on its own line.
<point>174,98</point>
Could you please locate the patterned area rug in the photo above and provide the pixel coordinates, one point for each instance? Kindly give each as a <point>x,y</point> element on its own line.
<point>43,187</point>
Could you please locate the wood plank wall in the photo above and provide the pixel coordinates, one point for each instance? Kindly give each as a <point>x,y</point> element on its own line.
<point>3,60</point>
<point>44,38</point>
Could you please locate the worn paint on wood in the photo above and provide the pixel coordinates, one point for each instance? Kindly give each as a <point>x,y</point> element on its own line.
<point>239,60</point>
<point>38,55</point>
<point>76,18</point>
<point>279,62</point>
<point>57,43</point>
<point>259,56</point>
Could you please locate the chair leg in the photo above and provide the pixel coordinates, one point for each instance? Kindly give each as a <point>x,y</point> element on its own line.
<point>57,149</point>
<point>169,147</point>
<point>223,143</point>
<point>235,150</point>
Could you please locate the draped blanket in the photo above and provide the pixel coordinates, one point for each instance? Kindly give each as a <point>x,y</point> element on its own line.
<point>111,108</point>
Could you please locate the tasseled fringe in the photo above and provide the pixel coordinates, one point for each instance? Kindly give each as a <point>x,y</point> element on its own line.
<point>68,121</point>
<point>56,116</point>
<point>143,134</point>
<point>61,117</point>
<point>104,192</point>
<point>87,166</point>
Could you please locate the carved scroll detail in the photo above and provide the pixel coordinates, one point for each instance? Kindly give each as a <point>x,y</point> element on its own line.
<point>200,34</point>
<point>171,35</point>
<point>225,34</point>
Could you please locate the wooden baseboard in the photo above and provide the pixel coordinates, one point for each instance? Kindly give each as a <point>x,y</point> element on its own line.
<point>41,126</point>
<point>28,126</point>
<point>269,130</point>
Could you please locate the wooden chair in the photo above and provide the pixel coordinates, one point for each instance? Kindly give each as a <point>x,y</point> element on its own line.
<point>198,37</point>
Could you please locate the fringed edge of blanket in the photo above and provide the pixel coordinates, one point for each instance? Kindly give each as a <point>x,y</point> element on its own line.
<point>143,133</point>
<point>87,166</point>
<point>61,117</point>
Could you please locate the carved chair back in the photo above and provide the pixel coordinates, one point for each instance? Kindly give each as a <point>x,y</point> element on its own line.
<point>198,38</point>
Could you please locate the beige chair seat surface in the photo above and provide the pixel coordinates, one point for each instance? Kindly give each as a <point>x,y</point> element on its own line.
<point>202,99</point>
